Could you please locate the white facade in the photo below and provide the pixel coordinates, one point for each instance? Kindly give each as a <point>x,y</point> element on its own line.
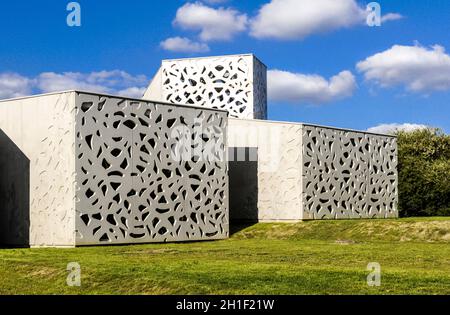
<point>236,83</point>
<point>308,172</point>
<point>37,167</point>
<point>82,168</point>
<point>265,185</point>
<point>283,171</point>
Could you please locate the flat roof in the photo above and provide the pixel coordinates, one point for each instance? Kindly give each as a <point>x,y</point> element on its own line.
<point>315,125</point>
<point>196,107</point>
<point>113,96</point>
<point>215,57</point>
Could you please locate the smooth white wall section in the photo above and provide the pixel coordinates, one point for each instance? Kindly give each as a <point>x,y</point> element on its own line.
<point>37,164</point>
<point>278,148</point>
<point>154,90</point>
<point>236,83</point>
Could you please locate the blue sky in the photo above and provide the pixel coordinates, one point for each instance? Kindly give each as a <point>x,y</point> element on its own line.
<point>118,49</point>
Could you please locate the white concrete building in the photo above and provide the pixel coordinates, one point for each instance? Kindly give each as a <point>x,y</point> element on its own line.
<point>283,171</point>
<point>81,168</point>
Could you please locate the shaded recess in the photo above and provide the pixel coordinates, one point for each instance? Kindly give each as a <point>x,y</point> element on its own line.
<point>14,194</point>
<point>243,177</point>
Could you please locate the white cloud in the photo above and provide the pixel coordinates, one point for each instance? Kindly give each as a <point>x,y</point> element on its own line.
<point>50,82</point>
<point>307,88</point>
<point>182,44</point>
<point>14,85</point>
<point>213,24</point>
<point>391,17</point>
<point>102,82</point>
<point>296,19</point>
<point>215,1</point>
<point>133,92</point>
<point>418,68</point>
<point>111,82</point>
<point>392,128</point>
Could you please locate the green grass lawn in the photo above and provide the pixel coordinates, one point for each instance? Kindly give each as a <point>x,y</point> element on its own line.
<point>326,257</point>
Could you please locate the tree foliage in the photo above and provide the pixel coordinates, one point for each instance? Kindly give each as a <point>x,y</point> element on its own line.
<point>424,173</point>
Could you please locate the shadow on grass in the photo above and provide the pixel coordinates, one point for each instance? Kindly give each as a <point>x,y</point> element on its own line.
<point>237,226</point>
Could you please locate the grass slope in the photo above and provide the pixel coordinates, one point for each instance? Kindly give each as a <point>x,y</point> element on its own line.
<point>320,257</point>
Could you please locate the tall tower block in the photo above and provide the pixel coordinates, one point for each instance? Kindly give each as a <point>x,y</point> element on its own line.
<point>236,83</point>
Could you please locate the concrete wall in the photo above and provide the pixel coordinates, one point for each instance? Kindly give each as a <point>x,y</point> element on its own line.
<point>348,174</point>
<point>275,189</point>
<point>154,90</point>
<point>86,169</point>
<point>37,163</point>
<point>83,169</point>
<point>236,83</point>
<point>306,172</point>
<point>132,188</point>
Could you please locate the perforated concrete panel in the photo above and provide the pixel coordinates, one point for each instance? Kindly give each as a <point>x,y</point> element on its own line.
<point>131,186</point>
<point>235,83</point>
<point>306,172</point>
<point>109,170</point>
<point>348,174</point>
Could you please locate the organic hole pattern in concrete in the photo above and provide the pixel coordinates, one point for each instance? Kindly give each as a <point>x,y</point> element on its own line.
<point>130,187</point>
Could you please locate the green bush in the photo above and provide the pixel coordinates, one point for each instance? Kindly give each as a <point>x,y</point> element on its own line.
<point>424,173</point>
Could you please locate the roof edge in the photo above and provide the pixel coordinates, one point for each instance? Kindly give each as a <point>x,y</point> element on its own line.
<point>113,96</point>
<point>215,57</point>
<point>316,125</point>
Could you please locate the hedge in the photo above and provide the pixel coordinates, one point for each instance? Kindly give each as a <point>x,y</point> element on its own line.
<point>424,173</point>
